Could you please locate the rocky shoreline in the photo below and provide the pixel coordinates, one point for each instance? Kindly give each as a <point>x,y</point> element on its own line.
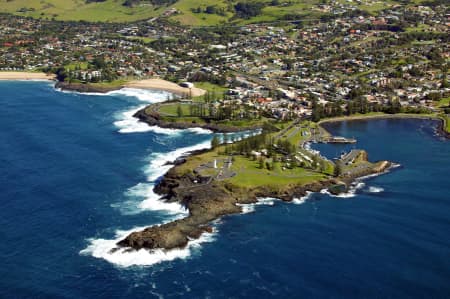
<point>154,119</point>
<point>207,202</point>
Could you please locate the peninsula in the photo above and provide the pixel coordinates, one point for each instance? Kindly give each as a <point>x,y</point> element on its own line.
<point>214,183</point>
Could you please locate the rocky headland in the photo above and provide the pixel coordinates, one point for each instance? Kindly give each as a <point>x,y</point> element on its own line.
<point>153,118</point>
<point>85,88</point>
<point>208,199</point>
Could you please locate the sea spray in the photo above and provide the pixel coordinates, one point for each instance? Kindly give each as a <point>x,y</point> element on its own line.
<point>303,199</point>
<point>127,123</point>
<point>250,207</point>
<point>159,164</point>
<point>373,189</point>
<point>126,257</point>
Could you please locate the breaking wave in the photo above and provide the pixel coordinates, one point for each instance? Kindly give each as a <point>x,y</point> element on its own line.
<point>303,199</point>
<point>148,200</point>
<point>373,189</point>
<point>124,257</point>
<point>250,207</point>
<point>159,163</point>
<point>127,124</point>
<point>349,194</point>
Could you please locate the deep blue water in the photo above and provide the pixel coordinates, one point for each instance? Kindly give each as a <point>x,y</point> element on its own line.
<point>68,179</point>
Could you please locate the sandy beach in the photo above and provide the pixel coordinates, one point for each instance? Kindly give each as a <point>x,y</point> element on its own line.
<point>25,76</point>
<point>160,84</point>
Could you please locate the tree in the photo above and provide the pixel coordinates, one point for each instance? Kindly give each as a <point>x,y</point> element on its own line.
<point>261,163</point>
<point>323,165</point>
<point>315,161</point>
<point>215,142</point>
<point>338,168</point>
<point>61,74</point>
<point>179,111</point>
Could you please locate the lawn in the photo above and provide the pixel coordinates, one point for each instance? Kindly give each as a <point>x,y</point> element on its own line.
<point>211,87</point>
<point>249,175</point>
<point>447,123</point>
<point>77,65</point>
<point>445,102</point>
<point>172,109</point>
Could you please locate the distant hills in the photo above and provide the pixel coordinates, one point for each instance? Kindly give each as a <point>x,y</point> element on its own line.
<point>188,12</point>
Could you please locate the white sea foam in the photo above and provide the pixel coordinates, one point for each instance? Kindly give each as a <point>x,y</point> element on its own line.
<point>101,248</point>
<point>153,202</point>
<point>199,131</point>
<point>143,95</point>
<point>127,124</point>
<point>124,257</point>
<point>303,199</point>
<point>250,207</point>
<point>142,196</point>
<point>373,189</point>
<point>349,194</point>
<point>157,166</point>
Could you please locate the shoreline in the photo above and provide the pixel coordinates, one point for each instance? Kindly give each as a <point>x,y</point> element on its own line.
<point>209,201</point>
<point>25,76</point>
<point>164,85</point>
<point>145,84</point>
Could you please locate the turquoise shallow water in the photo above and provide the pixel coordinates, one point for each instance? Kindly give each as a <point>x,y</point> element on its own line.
<point>76,170</point>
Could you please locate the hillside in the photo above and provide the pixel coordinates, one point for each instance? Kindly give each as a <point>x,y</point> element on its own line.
<point>188,12</point>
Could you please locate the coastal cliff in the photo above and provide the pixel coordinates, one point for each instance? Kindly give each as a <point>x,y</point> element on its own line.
<point>208,200</point>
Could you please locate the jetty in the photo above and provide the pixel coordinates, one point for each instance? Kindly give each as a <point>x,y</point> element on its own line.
<point>337,139</point>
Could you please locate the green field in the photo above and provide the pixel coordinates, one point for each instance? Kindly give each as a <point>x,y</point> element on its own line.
<point>171,109</point>
<point>445,102</point>
<point>114,11</point>
<point>447,124</point>
<point>108,11</point>
<point>248,174</point>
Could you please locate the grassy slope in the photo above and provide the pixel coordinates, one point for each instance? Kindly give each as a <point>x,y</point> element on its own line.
<point>113,11</point>
<point>109,11</point>
<point>248,173</point>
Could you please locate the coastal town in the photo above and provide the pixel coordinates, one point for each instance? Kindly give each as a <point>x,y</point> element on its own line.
<point>348,61</point>
<point>225,148</point>
<point>280,80</point>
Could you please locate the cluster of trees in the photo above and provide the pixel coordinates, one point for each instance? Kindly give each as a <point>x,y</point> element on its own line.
<point>210,9</point>
<point>94,1</point>
<point>131,3</point>
<point>259,142</point>
<point>208,111</point>
<point>246,10</point>
<point>360,105</point>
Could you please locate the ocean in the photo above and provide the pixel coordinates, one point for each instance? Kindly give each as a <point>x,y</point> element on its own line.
<point>77,173</point>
